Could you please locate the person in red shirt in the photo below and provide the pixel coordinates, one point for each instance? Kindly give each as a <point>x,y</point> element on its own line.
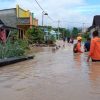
<point>94,53</point>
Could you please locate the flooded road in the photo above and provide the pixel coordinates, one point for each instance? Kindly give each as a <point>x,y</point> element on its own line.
<point>52,75</point>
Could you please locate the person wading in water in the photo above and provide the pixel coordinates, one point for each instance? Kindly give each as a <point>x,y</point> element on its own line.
<point>77,46</point>
<point>94,53</point>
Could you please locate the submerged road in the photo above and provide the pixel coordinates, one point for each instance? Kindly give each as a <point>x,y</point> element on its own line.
<point>52,75</point>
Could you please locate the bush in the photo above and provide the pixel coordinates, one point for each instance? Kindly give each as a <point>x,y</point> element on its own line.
<point>35,35</point>
<point>85,36</point>
<point>9,49</point>
<point>51,39</point>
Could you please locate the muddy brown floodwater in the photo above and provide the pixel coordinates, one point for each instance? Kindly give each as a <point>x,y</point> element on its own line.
<point>59,75</point>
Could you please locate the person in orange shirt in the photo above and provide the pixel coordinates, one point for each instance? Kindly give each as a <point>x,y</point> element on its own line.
<point>94,53</point>
<point>77,47</point>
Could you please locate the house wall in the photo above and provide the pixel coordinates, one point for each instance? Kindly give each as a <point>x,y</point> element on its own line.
<point>31,20</point>
<point>92,30</point>
<point>18,18</point>
<point>35,22</point>
<point>21,13</point>
<point>23,22</point>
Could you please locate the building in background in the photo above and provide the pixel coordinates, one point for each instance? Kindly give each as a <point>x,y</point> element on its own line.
<point>95,24</point>
<point>19,19</point>
<point>35,22</point>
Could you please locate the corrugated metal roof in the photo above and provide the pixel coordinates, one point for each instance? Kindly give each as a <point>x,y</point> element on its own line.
<point>9,17</point>
<point>1,23</point>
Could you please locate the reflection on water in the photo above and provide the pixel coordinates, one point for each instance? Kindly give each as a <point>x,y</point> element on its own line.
<point>94,74</point>
<point>91,71</point>
<point>52,75</point>
<point>77,60</point>
<point>94,71</point>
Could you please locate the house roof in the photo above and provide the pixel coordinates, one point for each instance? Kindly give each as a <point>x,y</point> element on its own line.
<point>91,27</point>
<point>1,23</point>
<point>5,26</point>
<point>8,17</point>
<point>96,21</point>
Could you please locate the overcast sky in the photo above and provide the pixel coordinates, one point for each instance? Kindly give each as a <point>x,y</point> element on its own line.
<point>69,12</point>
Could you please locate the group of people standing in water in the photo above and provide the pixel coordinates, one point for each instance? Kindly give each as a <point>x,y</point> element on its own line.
<point>92,46</point>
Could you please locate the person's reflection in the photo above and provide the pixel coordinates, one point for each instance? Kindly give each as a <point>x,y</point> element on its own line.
<point>77,60</point>
<point>94,71</point>
<point>94,74</point>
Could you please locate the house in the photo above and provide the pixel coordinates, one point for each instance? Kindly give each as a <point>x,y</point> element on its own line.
<point>18,18</point>
<point>95,24</point>
<point>4,31</point>
<point>49,34</point>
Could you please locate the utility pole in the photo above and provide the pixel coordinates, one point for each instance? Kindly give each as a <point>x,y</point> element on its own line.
<point>58,28</point>
<point>43,13</point>
<point>42,17</point>
<point>83,29</point>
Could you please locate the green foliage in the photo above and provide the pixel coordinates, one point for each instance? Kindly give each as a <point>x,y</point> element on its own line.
<point>85,36</point>
<point>67,33</point>
<point>13,49</point>
<point>13,35</point>
<point>52,39</point>
<point>75,32</point>
<point>35,35</point>
<point>64,32</point>
<point>48,27</point>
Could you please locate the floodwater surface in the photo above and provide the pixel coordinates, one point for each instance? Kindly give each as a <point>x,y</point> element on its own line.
<point>52,75</point>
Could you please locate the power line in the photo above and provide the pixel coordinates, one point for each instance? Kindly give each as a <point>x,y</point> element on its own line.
<point>35,7</point>
<point>43,9</point>
<point>39,5</point>
<point>75,22</point>
<point>50,18</point>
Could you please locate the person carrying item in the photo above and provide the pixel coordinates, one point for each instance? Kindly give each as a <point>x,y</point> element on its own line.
<point>94,53</point>
<point>77,46</point>
<point>87,45</point>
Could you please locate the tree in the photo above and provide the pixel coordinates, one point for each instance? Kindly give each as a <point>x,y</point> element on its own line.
<point>85,36</point>
<point>63,32</point>
<point>67,33</point>
<point>75,32</point>
<point>35,35</point>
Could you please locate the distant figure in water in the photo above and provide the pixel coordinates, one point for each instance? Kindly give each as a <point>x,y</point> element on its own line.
<point>64,40</point>
<point>87,45</point>
<point>68,39</point>
<point>71,40</point>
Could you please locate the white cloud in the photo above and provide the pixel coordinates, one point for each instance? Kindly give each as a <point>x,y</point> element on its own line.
<point>69,10</point>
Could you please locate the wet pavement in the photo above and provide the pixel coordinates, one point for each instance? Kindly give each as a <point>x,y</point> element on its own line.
<point>52,75</point>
